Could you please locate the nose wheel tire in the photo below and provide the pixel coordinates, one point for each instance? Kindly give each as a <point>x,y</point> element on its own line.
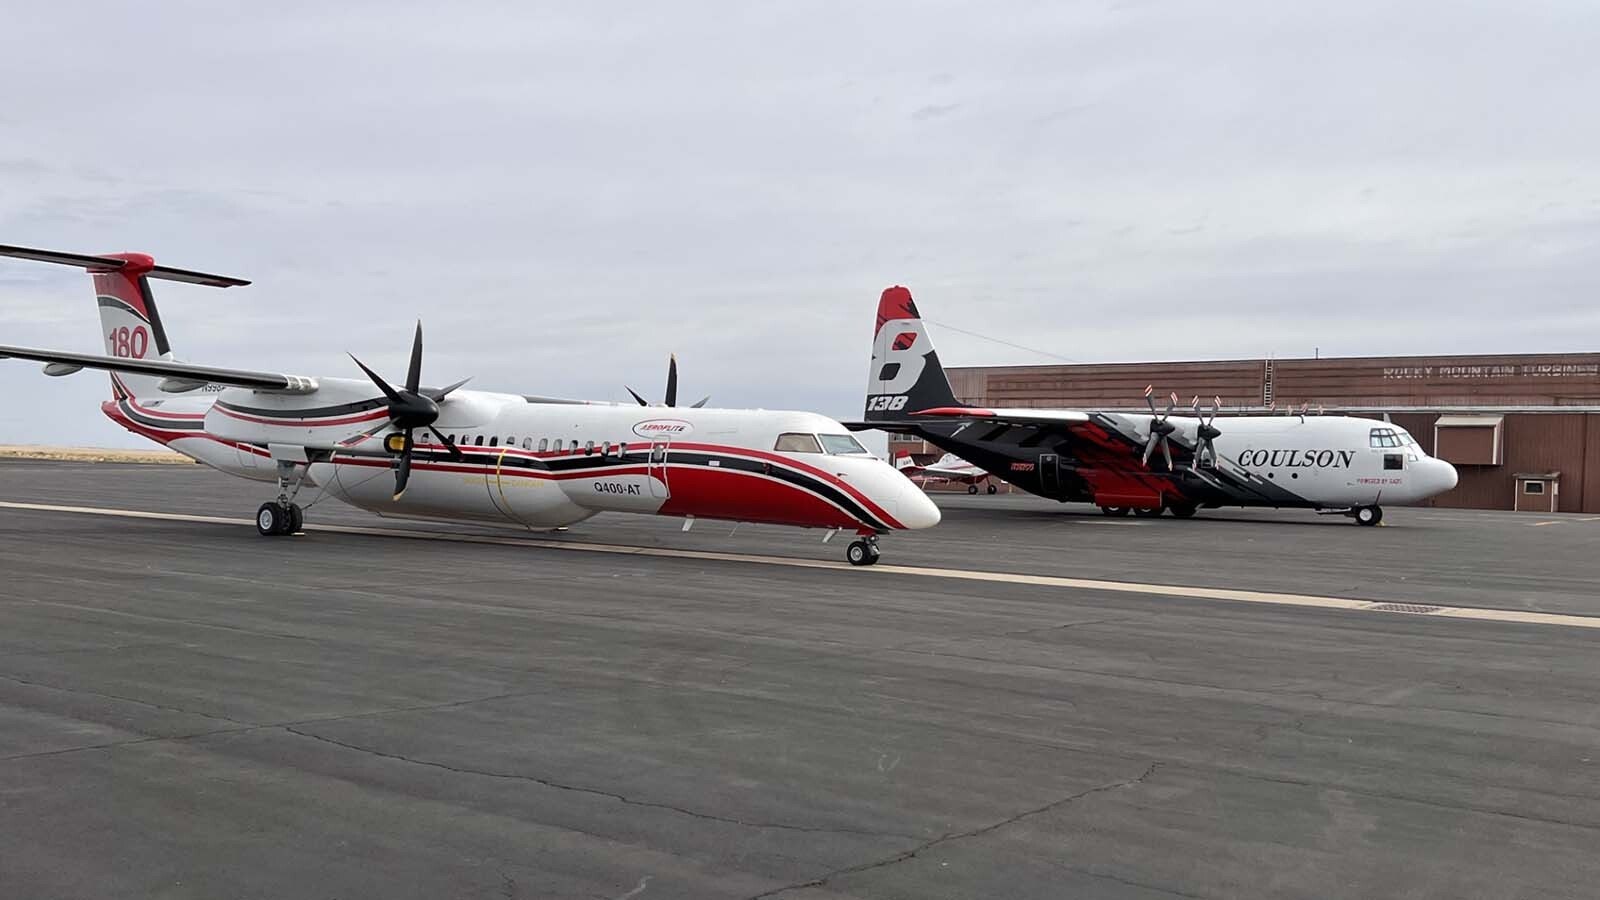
<point>1367,515</point>
<point>972,489</point>
<point>862,553</point>
<point>276,519</point>
<point>993,489</point>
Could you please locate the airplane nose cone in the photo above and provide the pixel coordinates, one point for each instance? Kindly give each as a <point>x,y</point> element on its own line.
<point>916,509</point>
<point>1447,475</point>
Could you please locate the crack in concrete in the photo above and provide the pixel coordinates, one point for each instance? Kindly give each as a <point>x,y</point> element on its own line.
<point>1062,627</point>
<point>134,700</point>
<point>595,792</point>
<point>950,837</point>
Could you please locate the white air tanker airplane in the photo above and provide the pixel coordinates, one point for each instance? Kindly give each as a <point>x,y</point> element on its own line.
<point>450,453</point>
<point>1330,463</point>
<point>948,468</point>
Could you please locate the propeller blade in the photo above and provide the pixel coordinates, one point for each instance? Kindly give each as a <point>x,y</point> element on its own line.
<point>403,473</point>
<point>672,380</point>
<point>438,394</point>
<point>414,371</point>
<point>1166,451</point>
<point>455,452</point>
<point>636,395</point>
<point>1194,405</point>
<point>701,402</point>
<point>382,385</point>
<point>1149,447</point>
<point>1148,391</point>
<point>1172,401</point>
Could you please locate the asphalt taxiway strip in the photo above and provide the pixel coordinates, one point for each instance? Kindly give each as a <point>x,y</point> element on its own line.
<point>1525,617</point>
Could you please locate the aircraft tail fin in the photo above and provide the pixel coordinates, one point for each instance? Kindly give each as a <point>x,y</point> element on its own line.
<point>130,324</point>
<point>906,376</point>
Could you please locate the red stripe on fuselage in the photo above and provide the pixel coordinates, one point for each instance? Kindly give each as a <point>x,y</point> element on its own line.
<point>376,414</point>
<point>707,492</point>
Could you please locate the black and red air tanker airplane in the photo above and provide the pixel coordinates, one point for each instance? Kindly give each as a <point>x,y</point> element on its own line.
<point>1145,463</point>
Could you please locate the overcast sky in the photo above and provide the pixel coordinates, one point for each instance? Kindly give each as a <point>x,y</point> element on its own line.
<point>565,193</point>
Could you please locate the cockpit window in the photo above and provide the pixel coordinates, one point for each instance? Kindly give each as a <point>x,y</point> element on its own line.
<point>795,442</point>
<point>1384,437</point>
<point>840,444</point>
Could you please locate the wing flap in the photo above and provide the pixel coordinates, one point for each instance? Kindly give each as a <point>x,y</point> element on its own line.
<point>180,374</point>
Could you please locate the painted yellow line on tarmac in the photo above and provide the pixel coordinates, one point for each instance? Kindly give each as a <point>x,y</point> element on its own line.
<point>1090,584</point>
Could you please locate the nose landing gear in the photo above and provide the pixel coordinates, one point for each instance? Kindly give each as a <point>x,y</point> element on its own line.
<point>863,552</point>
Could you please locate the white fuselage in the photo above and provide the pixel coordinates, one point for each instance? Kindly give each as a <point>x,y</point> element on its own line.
<point>544,465</point>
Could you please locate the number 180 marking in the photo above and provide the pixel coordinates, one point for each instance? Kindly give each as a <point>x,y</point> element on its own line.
<point>128,344</point>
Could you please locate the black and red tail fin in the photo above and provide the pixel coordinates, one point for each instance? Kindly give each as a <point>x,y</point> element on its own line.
<point>130,324</point>
<point>906,376</point>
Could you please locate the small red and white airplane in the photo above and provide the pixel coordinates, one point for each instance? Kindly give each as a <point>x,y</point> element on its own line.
<point>456,454</point>
<point>949,469</point>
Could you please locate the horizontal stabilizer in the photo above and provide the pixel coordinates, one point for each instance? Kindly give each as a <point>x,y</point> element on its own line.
<point>178,373</point>
<point>112,263</point>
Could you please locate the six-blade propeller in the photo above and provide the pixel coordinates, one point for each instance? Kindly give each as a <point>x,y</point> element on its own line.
<point>672,388</point>
<point>412,408</point>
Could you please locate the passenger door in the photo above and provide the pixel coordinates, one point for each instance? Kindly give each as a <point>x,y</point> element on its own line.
<point>659,487</point>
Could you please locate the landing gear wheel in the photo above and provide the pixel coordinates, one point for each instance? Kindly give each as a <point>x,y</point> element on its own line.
<point>1115,510</point>
<point>271,519</point>
<point>972,489</point>
<point>1182,511</point>
<point>1367,515</point>
<point>993,489</point>
<point>297,519</point>
<point>862,553</point>
<point>1149,512</point>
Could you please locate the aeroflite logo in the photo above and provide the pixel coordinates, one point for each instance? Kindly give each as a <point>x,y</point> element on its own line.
<point>1297,459</point>
<point>662,428</point>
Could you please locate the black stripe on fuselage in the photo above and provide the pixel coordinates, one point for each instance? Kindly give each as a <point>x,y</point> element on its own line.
<point>162,424</point>
<point>492,457</point>
<point>319,412</point>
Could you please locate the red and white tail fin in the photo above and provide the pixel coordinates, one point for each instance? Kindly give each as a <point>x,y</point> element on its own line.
<point>903,460</point>
<point>905,376</point>
<point>130,324</point>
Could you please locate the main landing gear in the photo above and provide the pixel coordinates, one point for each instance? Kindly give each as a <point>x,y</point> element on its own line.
<point>283,516</point>
<point>1179,510</point>
<point>1366,515</point>
<point>863,551</point>
<point>973,489</point>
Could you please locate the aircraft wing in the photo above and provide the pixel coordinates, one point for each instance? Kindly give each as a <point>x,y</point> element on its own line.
<point>1063,418</point>
<point>1005,416</point>
<point>183,376</point>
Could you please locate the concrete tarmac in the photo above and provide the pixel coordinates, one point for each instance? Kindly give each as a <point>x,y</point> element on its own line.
<point>190,710</point>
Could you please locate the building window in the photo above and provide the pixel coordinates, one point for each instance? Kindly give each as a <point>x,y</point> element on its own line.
<point>1533,487</point>
<point>1394,461</point>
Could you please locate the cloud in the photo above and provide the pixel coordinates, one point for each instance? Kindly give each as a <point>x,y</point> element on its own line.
<point>565,195</point>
